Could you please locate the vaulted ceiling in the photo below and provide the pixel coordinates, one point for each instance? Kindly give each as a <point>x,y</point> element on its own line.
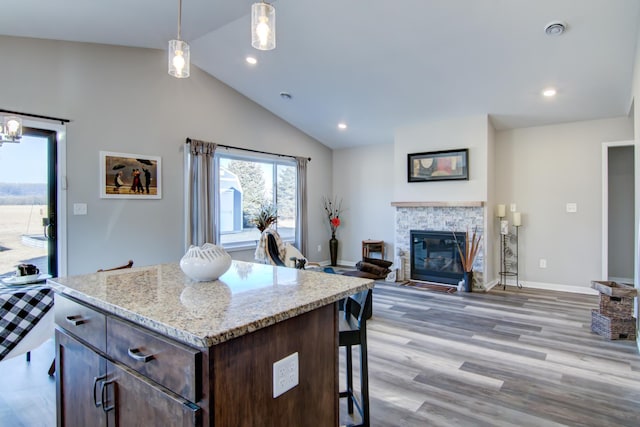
<point>379,65</point>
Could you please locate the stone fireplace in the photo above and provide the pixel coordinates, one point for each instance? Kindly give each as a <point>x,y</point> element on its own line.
<point>444,217</point>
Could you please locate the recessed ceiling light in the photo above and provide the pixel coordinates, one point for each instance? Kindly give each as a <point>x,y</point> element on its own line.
<point>251,60</point>
<point>555,28</point>
<point>285,95</point>
<point>342,125</point>
<point>549,92</point>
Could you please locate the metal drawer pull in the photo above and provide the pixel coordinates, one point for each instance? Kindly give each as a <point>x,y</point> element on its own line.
<point>75,320</point>
<point>95,383</point>
<point>103,388</point>
<point>135,354</point>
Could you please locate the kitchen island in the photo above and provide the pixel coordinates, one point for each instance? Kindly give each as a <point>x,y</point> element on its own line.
<point>148,346</point>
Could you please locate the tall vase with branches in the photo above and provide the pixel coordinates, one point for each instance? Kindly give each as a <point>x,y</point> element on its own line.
<point>468,256</point>
<point>333,209</point>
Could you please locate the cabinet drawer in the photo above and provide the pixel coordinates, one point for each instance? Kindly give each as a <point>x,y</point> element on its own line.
<point>169,363</point>
<point>81,321</point>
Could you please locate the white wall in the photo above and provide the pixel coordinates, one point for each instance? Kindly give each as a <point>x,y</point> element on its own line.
<point>491,241</point>
<point>468,132</point>
<point>363,178</point>
<point>122,99</point>
<point>542,169</point>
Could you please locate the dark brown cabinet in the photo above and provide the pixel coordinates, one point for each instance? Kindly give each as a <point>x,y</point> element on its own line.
<point>95,387</point>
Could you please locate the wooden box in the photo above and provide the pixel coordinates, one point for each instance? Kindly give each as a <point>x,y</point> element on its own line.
<point>613,329</point>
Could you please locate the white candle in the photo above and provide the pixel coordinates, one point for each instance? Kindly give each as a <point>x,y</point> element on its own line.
<point>517,219</point>
<point>502,209</point>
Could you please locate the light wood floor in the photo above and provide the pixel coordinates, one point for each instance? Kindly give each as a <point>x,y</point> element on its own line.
<point>519,357</point>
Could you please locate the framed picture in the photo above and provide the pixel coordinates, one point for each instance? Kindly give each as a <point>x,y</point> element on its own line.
<point>130,176</point>
<point>438,166</point>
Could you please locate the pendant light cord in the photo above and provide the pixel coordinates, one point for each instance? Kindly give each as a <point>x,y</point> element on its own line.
<point>179,19</point>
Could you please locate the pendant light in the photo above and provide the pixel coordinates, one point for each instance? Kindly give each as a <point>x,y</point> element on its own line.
<point>263,26</point>
<point>11,130</point>
<point>179,55</point>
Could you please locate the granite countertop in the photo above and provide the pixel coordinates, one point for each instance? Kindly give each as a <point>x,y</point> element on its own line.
<point>247,297</point>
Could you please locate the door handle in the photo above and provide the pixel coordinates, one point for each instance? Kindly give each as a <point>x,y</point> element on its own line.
<point>95,383</point>
<point>103,402</point>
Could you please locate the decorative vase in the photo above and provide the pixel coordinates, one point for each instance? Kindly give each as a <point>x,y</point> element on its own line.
<point>333,250</point>
<point>468,281</point>
<point>205,263</point>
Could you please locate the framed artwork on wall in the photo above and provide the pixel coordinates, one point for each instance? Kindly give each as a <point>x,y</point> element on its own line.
<point>130,176</point>
<point>438,166</point>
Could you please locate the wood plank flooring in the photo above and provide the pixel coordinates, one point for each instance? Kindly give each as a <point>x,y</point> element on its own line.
<point>520,357</point>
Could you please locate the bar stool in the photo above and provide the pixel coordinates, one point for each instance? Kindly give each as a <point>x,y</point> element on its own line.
<point>353,331</point>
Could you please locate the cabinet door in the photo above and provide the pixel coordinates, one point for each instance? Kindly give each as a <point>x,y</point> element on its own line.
<point>79,373</point>
<point>140,402</point>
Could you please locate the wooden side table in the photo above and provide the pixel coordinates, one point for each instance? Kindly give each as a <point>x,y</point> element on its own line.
<point>370,246</point>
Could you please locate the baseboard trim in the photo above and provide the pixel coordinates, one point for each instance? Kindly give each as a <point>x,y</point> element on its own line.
<point>556,287</point>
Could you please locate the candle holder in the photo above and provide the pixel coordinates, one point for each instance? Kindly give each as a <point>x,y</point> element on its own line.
<point>505,271</point>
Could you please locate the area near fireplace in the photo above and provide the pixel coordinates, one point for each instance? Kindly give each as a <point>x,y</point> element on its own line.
<point>445,217</point>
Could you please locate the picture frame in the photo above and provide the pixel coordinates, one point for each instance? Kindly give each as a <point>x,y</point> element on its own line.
<point>130,176</point>
<point>446,165</point>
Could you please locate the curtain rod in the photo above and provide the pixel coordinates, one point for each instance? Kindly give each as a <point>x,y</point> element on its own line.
<point>252,151</point>
<point>37,116</point>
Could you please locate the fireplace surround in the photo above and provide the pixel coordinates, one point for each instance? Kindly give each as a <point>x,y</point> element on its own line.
<point>444,216</point>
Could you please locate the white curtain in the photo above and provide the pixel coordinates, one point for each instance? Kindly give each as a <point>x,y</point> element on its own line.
<point>301,209</point>
<point>200,191</point>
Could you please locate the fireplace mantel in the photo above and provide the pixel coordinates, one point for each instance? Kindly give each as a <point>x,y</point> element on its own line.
<point>437,204</point>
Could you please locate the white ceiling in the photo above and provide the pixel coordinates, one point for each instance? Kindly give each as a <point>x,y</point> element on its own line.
<point>378,64</point>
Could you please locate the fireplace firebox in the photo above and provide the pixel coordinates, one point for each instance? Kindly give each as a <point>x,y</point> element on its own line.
<point>435,256</point>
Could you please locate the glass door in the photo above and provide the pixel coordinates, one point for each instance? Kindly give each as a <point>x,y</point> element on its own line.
<point>28,201</point>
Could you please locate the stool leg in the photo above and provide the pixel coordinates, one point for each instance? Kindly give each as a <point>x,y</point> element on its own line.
<point>28,356</point>
<point>349,380</point>
<point>52,368</point>
<point>364,382</point>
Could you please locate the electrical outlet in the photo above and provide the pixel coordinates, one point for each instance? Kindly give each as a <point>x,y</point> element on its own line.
<point>285,374</point>
<point>512,207</point>
<point>319,248</point>
<point>572,207</point>
<point>543,263</point>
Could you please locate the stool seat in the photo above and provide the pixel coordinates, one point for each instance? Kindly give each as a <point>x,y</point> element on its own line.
<point>353,331</point>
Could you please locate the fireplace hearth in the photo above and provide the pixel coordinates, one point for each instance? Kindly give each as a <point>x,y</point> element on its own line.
<point>435,257</point>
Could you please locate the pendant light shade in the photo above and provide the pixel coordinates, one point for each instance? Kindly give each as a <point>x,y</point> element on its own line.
<point>179,54</point>
<point>263,26</point>
<point>11,129</point>
<point>179,59</point>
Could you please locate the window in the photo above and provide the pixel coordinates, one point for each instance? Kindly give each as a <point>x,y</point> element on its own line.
<point>244,184</point>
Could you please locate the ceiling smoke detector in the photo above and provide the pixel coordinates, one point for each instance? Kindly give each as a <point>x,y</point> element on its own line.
<point>555,28</point>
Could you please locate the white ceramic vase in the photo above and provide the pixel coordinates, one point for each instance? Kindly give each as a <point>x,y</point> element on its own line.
<point>205,263</point>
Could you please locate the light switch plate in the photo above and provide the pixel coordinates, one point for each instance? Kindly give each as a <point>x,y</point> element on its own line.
<point>512,207</point>
<point>79,208</point>
<point>285,374</point>
<point>572,207</point>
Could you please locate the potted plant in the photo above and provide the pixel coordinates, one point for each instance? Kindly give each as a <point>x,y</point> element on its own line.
<point>471,247</point>
<point>267,214</point>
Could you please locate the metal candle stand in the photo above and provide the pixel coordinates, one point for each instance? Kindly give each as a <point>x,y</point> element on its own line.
<point>504,272</point>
